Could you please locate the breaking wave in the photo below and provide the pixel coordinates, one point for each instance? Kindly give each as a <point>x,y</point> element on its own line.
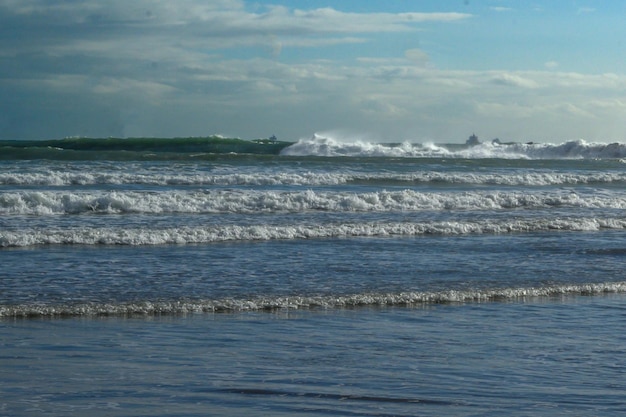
<point>320,145</point>
<point>232,233</point>
<point>251,201</point>
<point>59,178</point>
<point>271,303</point>
<point>199,148</point>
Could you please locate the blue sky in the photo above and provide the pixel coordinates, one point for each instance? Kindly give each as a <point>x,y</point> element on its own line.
<point>393,70</point>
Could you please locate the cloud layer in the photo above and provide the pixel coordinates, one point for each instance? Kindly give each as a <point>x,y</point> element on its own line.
<point>162,68</point>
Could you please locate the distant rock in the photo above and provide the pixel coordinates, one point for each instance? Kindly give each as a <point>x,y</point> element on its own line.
<point>472,140</point>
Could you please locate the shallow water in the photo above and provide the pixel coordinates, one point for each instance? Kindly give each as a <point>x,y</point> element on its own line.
<point>274,274</point>
<point>559,356</point>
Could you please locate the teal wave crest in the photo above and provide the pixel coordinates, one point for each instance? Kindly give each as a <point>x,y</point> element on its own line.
<point>136,148</point>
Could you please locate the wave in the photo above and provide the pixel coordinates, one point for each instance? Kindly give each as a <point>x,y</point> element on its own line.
<point>135,148</point>
<point>233,233</point>
<point>191,148</point>
<point>64,178</point>
<point>93,177</point>
<point>320,145</point>
<point>248,202</point>
<point>272,303</point>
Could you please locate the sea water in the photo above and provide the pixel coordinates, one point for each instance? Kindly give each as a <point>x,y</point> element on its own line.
<point>330,279</point>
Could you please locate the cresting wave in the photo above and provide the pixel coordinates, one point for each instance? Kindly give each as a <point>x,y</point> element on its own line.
<point>62,178</point>
<point>247,202</point>
<point>320,145</point>
<point>135,148</point>
<point>198,148</point>
<point>233,233</point>
<point>272,303</point>
<point>55,178</point>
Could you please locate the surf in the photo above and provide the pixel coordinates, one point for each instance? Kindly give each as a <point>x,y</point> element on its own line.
<point>63,202</point>
<point>303,302</point>
<point>189,235</point>
<point>321,145</point>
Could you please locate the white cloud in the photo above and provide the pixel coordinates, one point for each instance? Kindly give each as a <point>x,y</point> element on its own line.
<point>513,80</point>
<point>417,56</point>
<point>193,67</point>
<point>184,30</point>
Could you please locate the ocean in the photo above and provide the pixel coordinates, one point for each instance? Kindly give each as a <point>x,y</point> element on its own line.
<point>215,276</point>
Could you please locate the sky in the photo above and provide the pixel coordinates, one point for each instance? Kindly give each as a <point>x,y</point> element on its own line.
<point>380,70</point>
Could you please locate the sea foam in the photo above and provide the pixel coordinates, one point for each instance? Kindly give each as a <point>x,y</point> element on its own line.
<point>252,201</point>
<point>320,145</point>
<point>232,233</point>
<point>272,303</point>
<point>53,178</point>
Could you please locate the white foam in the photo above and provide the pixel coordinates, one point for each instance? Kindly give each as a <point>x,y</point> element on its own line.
<point>223,233</point>
<point>270,303</point>
<point>321,145</point>
<point>252,201</point>
<point>174,176</point>
<point>57,179</point>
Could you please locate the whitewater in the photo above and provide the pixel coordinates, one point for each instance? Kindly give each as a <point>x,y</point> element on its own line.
<point>324,145</point>
<point>323,276</point>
